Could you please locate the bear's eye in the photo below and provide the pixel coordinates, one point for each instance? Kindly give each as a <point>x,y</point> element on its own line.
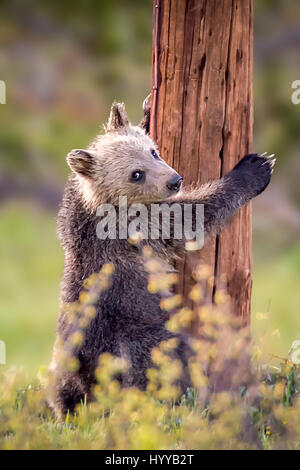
<point>154,154</point>
<point>137,176</point>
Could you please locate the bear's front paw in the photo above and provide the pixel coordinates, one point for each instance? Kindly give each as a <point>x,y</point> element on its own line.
<point>256,170</point>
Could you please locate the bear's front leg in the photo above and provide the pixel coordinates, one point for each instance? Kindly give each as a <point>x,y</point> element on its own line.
<point>222,198</point>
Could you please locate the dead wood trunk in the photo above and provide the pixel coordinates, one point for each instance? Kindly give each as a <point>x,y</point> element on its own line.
<point>202,118</point>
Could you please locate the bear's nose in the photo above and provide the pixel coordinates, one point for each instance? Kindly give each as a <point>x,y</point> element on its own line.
<point>175,183</point>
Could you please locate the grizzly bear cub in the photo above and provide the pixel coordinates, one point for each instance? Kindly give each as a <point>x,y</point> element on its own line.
<point>128,320</point>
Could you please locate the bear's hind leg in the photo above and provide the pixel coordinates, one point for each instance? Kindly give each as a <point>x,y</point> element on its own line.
<point>69,391</point>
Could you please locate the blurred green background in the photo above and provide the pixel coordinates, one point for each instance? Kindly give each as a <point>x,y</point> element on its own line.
<point>63,65</point>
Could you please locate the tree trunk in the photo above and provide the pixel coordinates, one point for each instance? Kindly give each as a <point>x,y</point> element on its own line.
<point>201,117</point>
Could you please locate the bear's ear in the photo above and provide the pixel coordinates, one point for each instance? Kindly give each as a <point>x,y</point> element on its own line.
<point>81,162</point>
<point>145,122</point>
<point>118,119</point>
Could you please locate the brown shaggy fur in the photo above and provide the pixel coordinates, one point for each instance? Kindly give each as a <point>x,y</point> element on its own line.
<point>129,321</point>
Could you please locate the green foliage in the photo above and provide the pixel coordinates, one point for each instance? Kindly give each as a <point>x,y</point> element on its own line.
<point>63,69</point>
<point>276,300</point>
<point>132,419</point>
<point>31,265</point>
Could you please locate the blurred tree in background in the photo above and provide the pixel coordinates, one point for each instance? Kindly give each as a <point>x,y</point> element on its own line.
<point>63,64</point>
<point>276,213</point>
<point>63,68</point>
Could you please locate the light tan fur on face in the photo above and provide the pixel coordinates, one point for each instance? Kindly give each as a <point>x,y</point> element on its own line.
<point>115,155</point>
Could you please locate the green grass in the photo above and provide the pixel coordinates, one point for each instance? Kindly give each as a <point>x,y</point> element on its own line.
<point>31,266</point>
<point>134,419</point>
<point>276,292</point>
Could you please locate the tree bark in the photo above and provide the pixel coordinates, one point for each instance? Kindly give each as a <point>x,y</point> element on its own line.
<point>201,117</point>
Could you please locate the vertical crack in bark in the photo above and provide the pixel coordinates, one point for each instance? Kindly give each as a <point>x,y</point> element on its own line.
<point>163,99</point>
<point>156,40</point>
<point>217,246</point>
<point>184,86</point>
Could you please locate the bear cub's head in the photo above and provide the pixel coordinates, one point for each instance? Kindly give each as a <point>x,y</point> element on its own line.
<point>122,162</point>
